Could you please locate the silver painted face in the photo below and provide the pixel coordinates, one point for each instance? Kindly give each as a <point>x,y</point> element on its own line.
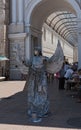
<point>36,52</point>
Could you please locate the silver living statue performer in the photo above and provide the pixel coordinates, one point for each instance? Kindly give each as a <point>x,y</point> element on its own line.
<point>37,86</point>
<point>38,103</point>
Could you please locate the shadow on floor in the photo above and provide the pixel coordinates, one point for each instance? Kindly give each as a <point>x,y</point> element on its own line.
<point>13,110</point>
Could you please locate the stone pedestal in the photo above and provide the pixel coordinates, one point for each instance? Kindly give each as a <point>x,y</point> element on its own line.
<point>17,47</point>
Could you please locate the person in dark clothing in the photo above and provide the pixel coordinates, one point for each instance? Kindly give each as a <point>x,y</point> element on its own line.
<point>79,89</point>
<point>61,78</point>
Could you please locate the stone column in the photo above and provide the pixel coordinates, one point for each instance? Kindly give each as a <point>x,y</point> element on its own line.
<point>79,43</point>
<point>17,17</point>
<point>40,40</point>
<point>13,11</point>
<point>75,54</point>
<point>20,11</point>
<point>28,48</point>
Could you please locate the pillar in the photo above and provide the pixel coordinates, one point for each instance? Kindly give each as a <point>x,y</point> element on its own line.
<point>13,11</point>
<point>20,11</point>
<point>79,43</point>
<point>28,48</point>
<point>75,54</point>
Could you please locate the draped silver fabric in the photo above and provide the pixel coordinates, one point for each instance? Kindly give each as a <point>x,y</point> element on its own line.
<point>56,61</point>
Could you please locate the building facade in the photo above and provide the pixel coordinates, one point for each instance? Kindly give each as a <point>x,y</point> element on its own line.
<point>26,29</point>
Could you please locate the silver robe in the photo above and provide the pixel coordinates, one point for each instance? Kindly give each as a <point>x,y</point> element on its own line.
<point>37,88</point>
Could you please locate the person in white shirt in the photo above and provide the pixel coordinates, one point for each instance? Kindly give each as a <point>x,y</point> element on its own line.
<point>66,66</point>
<point>68,73</point>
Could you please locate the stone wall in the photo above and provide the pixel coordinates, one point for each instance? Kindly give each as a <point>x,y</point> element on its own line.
<point>16,49</point>
<point>4,11</point>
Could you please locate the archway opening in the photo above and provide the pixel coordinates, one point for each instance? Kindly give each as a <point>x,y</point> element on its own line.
<point>44,8</point>
<point>43,12</point>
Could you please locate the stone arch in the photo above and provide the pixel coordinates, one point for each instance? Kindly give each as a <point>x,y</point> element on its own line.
<point>36,12</point>
<point>42,9</point>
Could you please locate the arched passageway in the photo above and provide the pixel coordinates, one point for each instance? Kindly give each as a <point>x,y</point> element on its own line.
<point>44,8</point>
<point>41,12</point>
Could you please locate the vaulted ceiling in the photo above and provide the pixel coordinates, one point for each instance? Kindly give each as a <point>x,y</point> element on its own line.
<point>65,24</point>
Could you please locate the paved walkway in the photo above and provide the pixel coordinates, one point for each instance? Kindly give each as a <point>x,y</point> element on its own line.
<point>65,111</point>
